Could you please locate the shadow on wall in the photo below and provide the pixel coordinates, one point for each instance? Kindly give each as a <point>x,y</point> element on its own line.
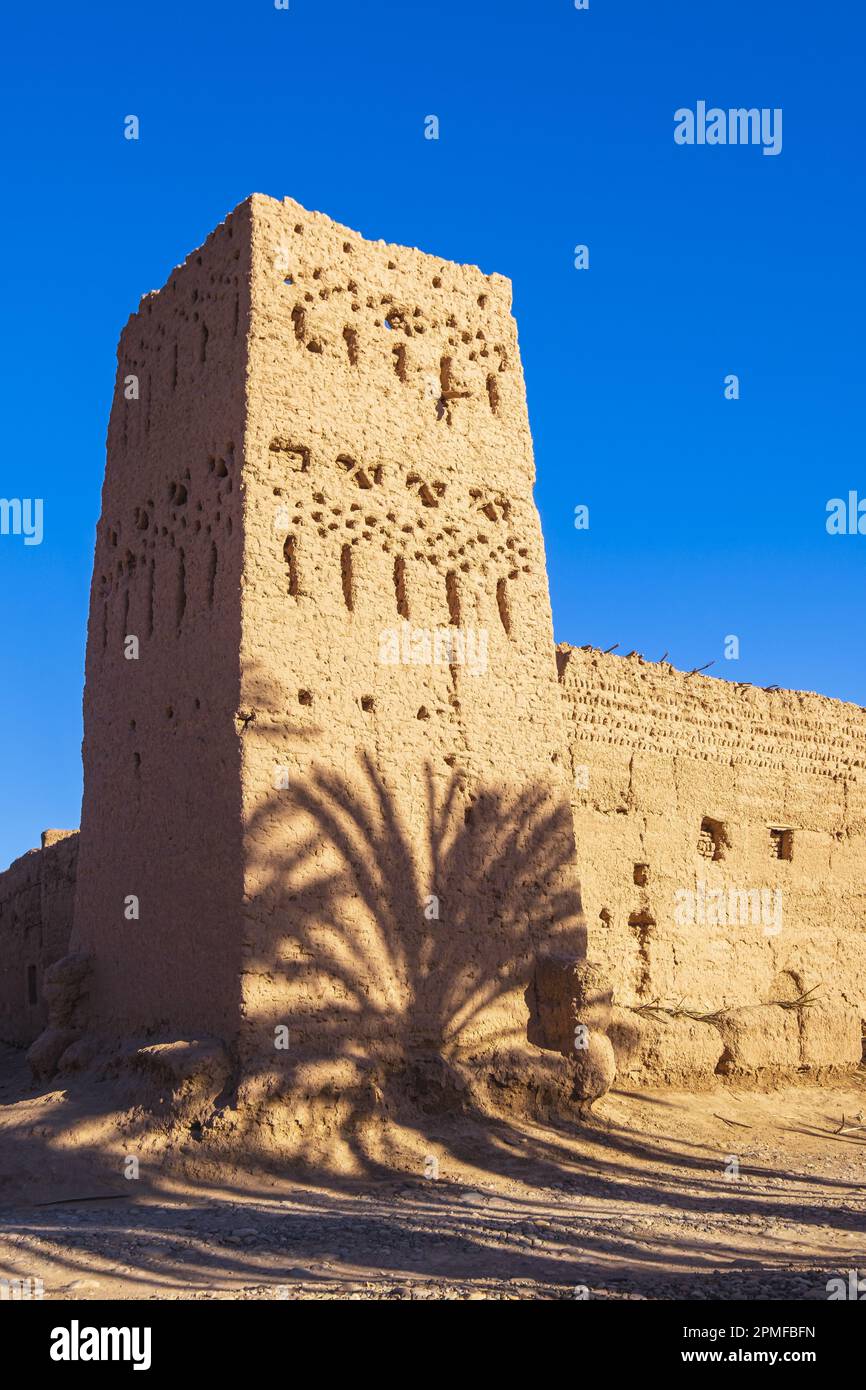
<point>389,938</point>
<point>393,938</point>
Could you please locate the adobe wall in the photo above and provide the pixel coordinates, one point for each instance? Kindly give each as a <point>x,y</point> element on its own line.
<point>37,894</point>
<point>159,889</point>
<point>686,788</point>
<point>330,445</point>
<point>417,851</point>
<point>330,785</point>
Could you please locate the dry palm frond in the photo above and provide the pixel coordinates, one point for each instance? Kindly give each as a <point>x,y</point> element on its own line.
<point>851,1128</point>
<point>661,1011</point>
<point>802,1003</point>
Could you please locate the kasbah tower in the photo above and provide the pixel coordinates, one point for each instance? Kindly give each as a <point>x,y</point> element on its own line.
<point>328,795</point>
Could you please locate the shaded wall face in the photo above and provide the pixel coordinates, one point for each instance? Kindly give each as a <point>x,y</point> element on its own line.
<point>37,893</point>
<point>408,837</point>
<point>160,883</point>
<point>721,835</point>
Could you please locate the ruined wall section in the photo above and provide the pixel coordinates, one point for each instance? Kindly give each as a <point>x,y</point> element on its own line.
<point>37,894</point>
<point>161,818</point>
<point>389,494</point>
<point>682,781</point>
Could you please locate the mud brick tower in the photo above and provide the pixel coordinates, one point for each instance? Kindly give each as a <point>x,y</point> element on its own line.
<point>333,779</point>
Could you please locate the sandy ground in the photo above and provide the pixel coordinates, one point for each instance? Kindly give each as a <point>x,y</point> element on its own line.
<point>641,1202</point>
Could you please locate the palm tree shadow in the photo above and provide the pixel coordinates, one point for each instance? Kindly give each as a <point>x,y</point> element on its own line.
<point>394,939</point>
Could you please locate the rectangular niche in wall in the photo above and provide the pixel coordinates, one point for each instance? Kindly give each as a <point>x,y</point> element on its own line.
<point>781,843</point>
<point>713,839</point>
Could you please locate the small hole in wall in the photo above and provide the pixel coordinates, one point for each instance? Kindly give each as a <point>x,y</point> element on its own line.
<point>350,338</point>
<point>642,921</point>
<point>423,712</point>
<point>712,839</point>
<point>305,697</point>
<point>452,594</point>
<point>399,355</point>
<point>503,605</point>
<point>288,280</point>
<point>445,368</point>
<point>400,587</point>
<point>640,875</point>
<point>169,713</point>
<point>136,761</point>
<point>212,574</point>
<point>290,555</point>
<point>781,843</point>
<point>367,703</point>
<point>347,577</point>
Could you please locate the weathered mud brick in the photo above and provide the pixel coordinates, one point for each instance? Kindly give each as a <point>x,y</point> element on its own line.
<point>324,746</point>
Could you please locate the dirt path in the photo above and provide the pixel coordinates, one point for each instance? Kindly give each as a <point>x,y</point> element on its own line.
<point>644,1202</point>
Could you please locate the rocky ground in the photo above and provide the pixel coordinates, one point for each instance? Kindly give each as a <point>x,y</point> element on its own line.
<point>731,1194</point>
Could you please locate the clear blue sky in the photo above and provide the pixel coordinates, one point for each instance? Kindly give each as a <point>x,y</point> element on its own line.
<point>707,516</point>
